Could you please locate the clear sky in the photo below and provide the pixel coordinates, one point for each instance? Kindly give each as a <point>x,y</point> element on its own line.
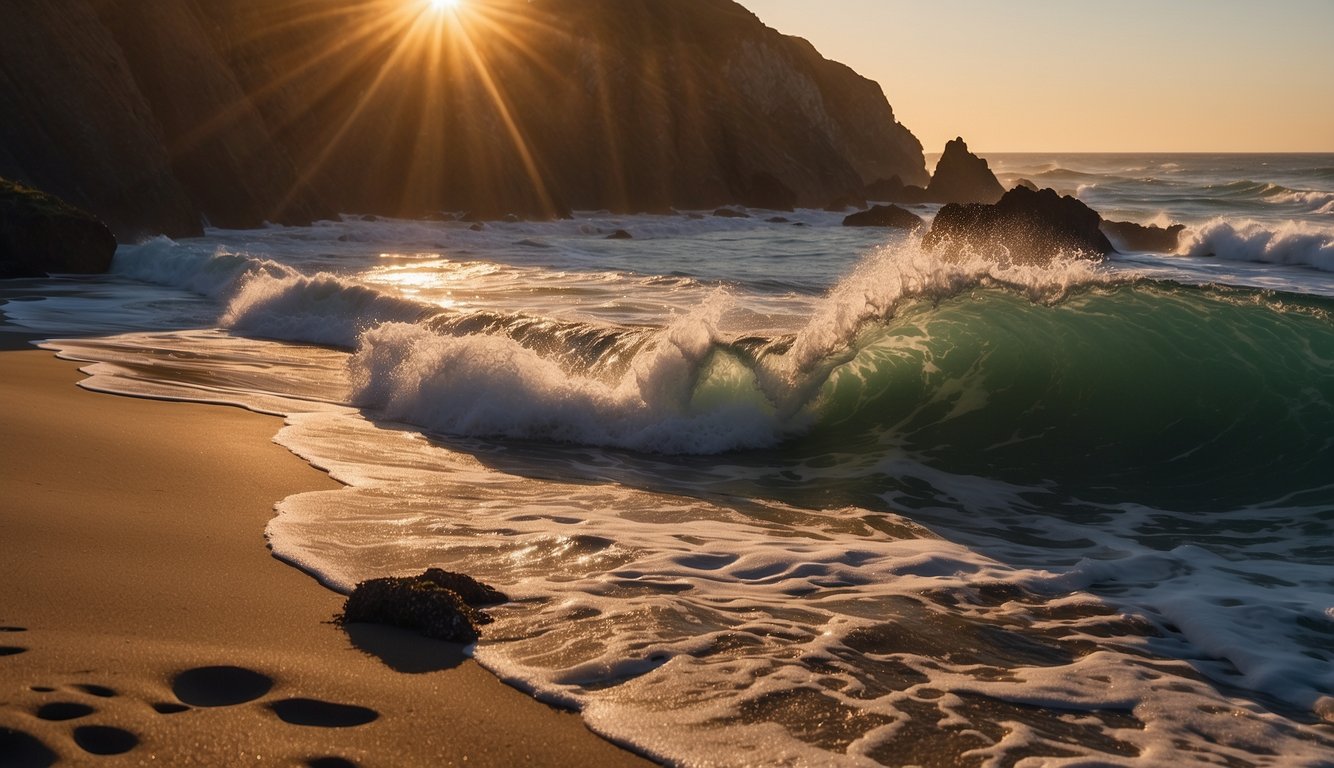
<point>1080,76</point>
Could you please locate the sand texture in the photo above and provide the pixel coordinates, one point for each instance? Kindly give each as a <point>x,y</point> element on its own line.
<point>144,618</point>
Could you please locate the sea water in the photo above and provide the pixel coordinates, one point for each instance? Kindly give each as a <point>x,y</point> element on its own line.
<point>784,492</point>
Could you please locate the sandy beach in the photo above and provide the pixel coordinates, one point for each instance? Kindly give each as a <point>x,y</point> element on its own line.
<point>144,617</point>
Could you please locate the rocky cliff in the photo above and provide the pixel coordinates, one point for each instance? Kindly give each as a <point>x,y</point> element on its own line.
<point>158,114</point>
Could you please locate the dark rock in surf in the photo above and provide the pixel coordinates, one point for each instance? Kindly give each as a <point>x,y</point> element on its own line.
<point>438,604</point>
<point>42,234</point>
<point>778,220</point>
<point>1023,227</point>
<point>963,177</point>
<point>1127,236</point>
<point>729,213</point>
<point>620,234</point>
<point>768,192</point>
<point>884,216</point>
<point>473,592</point>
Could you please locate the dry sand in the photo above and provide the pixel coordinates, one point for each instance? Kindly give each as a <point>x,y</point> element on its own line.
<point>133,566</point>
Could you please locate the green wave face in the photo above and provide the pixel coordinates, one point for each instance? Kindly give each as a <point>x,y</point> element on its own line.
<point>1156,394</point>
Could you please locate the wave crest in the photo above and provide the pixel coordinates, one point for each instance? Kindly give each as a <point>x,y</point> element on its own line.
<point>1293,243</point>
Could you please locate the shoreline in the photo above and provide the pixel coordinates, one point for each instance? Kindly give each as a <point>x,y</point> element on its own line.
<point>136,567</point>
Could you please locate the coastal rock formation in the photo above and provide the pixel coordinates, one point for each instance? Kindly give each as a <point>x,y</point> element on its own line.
<point>76,124</point>
<point>963,177</point>
<point>1022,227</point>
<point>161,115</point>
<point>1026,184</point>
<point>41,234</point>
<point>884,216</point>
<point>1127,236</point>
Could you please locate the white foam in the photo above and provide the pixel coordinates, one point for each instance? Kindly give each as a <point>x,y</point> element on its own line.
<point>1293,243</point>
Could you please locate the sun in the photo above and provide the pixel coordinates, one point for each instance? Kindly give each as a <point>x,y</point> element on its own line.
<point>440,6</point>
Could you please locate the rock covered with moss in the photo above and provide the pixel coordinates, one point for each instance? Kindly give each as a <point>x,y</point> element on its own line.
<point>439,604</point>
<point>41,234</point>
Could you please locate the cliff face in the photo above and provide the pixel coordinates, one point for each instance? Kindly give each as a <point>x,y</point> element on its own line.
<point>75,123</point>
<point>154,113</point>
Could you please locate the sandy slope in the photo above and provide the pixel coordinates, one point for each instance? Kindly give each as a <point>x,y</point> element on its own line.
<point>132,564</point>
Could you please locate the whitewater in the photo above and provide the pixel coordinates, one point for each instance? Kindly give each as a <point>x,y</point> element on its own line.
<point>775,491</point>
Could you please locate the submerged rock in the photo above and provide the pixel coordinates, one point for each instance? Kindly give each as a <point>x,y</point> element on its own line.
<point>1128,236</point>
<point>884,216</point>
<point>963,177</point>
<point>1023,227</point>
<point>620,234</point>
<point>439,604</point>
<point>42,234</point>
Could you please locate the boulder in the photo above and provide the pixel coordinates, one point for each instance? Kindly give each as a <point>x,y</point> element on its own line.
<point>437,603</point>
<point>768,192</point>
<point>1127,236</point>
<point>1022,227</point>
<point>42,234</point>
<point>963,177</point>
<point>884,216</point>
<point>620,234</point>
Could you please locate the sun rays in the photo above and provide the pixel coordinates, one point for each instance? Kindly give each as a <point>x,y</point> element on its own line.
<point>436,75</point>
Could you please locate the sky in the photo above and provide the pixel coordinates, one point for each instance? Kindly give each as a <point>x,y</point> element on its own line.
<point>1080,76</point>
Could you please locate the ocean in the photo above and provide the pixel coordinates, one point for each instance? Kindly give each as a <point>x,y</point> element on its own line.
<point>788,493</point>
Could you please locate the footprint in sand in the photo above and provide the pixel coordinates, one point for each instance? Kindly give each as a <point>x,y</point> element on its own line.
<point>57,711</point>
<point>330,762</point>
<point>104,739</point>
<point>11,650</point>
<point>222,686</point>
<point>21,748</point>
<point>100,691</point>
<point>322,714</point>
<point>169,708</point>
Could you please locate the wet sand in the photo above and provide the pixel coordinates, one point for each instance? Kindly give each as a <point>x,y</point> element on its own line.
<point>143,615</point>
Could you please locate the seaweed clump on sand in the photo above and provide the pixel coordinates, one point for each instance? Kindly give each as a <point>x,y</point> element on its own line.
<point>439,604</point>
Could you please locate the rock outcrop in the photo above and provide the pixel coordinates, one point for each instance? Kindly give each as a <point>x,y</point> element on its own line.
<point>1022,227</point>
<point>162,114</point>
<point>76,125</point>
<point>438,604</point>
<point>963,177</point>
<point>1127,236</point>
<point>41,234</point>
<point>884,216</point>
